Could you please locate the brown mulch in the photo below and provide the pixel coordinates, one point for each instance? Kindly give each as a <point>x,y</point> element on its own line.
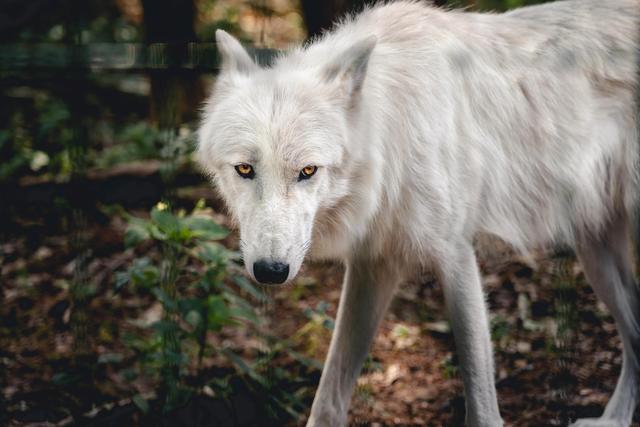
<point>546,374</point>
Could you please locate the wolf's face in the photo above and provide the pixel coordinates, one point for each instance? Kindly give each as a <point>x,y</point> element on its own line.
<point>276,144</point>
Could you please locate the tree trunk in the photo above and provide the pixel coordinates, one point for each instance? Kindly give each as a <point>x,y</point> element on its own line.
<point>174,91</point>
<point>319,16</point>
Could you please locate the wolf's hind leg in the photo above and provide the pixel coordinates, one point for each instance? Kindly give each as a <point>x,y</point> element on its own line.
<point>606,261</point>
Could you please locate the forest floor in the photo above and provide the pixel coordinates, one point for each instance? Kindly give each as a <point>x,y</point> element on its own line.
<point>556,349</point>
<point>551,367</point>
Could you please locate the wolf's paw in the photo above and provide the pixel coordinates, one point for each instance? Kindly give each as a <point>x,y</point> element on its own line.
<point>598,422</point>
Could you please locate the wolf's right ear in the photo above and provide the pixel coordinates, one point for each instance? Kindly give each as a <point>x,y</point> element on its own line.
<point>234,57</point>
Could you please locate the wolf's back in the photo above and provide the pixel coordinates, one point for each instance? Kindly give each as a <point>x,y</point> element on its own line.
<point>602,37</point>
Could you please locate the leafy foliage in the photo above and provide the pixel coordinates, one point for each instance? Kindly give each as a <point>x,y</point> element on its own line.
<point>192,305</point>
<point>210,295</point>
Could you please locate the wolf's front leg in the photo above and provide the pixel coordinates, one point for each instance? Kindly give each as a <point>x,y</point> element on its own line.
<point>367,290</point>
<point>468,316</point>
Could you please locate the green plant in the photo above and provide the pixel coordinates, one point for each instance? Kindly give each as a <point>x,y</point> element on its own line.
<point>137,141</point>
<point>500,330</point>
<point>189,283</point>
<point>201,290</point>
<point>317,331</point>
<point>450,366</point>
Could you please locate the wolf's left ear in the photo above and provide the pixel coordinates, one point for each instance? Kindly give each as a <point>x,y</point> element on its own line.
<point>234,56</point>
<point>350,67</point>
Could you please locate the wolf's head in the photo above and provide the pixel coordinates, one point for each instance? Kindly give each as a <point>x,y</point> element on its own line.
<point>275,141</point>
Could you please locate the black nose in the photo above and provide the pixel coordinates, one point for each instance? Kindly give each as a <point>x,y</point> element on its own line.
<point>270,272</point>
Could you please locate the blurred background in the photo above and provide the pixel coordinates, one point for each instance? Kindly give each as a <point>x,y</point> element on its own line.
<point>123,300</point>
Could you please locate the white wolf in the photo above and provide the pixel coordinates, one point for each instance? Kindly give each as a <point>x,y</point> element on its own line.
<point>391,141</point>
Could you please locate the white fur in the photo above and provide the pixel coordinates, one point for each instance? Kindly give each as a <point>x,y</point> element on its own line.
<point>429,126</point>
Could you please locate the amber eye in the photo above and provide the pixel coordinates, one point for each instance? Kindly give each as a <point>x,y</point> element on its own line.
<point>307,172</point>
<point>245,170</point>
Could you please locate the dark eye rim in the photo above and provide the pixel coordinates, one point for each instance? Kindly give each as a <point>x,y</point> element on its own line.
<point>250,175</point>
<point>303,176</point>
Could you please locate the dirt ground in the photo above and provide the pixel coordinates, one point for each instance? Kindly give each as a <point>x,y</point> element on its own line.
<point>543,379</point>
<point>556,349</point>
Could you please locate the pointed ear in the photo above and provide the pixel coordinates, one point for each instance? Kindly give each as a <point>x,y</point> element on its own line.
<point>233,56</point>
<point>350,67</point>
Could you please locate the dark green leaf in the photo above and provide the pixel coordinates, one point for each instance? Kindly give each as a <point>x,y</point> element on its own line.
<point>137,232</point>
<point>240,364</point>
<point>166,221</point>
<point>249,288</point>
<point>167,302</point>
<point>194,318</point>
<point>243,314</point>
<point>218,312</point>
<point>205,228</point>
<point>165,327</point>
<point>211,252</point>
<point>121,279</point>
<point>141,403</point>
